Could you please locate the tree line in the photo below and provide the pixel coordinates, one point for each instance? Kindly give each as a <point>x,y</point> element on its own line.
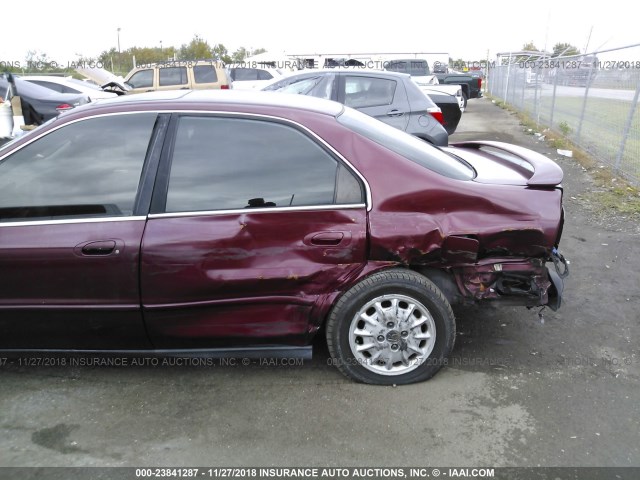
<point>121,62</point>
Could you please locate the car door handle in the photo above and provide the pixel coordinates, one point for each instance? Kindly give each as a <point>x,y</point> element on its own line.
<point>394,113</point>
<point>103,247</point>
<point>325,239</point>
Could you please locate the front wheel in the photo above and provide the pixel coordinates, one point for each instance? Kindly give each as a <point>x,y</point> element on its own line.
<point>394,327</point>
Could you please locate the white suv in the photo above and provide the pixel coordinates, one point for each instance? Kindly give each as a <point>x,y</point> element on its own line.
<point>247,76</point>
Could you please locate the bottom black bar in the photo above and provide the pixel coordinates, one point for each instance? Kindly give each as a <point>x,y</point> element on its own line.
<point>369,473</point>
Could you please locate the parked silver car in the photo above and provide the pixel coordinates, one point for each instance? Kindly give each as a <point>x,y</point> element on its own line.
<point>388,96</point>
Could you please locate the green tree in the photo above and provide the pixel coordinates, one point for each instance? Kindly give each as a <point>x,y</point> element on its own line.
<point>119,63</point>
<point>39,62</point>
<point>564,49</point>
<point>239,55</point>
<point>459,64</point>
<point>197,49</point>
<point>528,47</point>
<point>221,54</point>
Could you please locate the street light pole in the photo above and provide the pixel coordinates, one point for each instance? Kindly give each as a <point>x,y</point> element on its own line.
<point>118,39</point>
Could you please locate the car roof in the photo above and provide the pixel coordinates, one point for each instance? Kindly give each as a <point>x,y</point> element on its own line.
<point>52,78</point>
<point>352,70</point>
<point>184,99</point>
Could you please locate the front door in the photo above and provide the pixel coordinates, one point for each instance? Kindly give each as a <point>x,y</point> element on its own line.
<point>70,237</point>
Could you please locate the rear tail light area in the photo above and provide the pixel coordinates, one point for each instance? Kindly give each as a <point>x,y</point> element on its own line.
<point>64,107</point>
<point>437,114</point>
<point>479,83</point>
<point>225,87</point>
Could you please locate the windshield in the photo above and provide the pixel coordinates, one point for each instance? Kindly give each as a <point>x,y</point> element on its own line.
<point>407,145</point>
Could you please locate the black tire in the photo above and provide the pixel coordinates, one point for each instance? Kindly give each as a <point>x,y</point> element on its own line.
<point>423,305</point>
<point>464,99</point>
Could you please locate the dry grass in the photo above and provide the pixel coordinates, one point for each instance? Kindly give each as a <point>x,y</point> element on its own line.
<point>610,192</point>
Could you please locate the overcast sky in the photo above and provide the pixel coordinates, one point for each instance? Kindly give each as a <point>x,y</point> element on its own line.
<point>465,29</point>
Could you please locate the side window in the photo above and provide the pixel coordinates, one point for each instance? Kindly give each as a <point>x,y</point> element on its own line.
<point>264,75</point>
<point>245,74</point>
<point>172,76</point>
<point>89,168</point>
<point>231,163</point>
<point>205,74</point>
<point>363,91</point>
<point>141,79</point>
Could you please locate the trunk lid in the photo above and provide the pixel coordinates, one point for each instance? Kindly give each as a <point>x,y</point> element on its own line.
<point>505,164</point>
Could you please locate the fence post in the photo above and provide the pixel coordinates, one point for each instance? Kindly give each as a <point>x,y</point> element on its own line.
<point>536,98</point>
<point>584,103</point>
<point>506,87</point>
<point>627,129</point>
<point>553,98</point>
<point>493,86</point>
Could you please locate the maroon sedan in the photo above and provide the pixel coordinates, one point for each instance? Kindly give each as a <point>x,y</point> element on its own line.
<point>234,223</point>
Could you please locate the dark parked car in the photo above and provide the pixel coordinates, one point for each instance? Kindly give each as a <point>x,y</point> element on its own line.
<point>40,104</point>
<point>240,223</point>
<point>390,97</point>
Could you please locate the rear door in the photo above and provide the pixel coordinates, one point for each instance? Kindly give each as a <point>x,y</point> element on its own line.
<point>379,97</point>
<point>72,217</point>
<point>255,223</point>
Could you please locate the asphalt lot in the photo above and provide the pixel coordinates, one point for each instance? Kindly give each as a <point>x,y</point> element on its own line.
<point>518,392</point>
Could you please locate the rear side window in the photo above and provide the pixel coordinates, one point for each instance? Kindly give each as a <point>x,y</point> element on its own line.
<point>230,163</point>
<point>244,74</point>
<point>249,74</point>
<point>410,147</point>
<point>89,168</point>
<point>361,91</point>
<point>52,86</point>
<point>172,76</point>
<point>205,74</point>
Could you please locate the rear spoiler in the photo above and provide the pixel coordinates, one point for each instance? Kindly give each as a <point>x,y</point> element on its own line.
<point>546,172</point>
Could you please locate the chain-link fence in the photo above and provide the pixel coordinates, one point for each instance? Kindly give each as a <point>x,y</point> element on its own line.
<point>592,99</point>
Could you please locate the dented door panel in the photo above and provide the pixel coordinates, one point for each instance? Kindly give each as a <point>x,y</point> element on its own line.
<point>246,278</point>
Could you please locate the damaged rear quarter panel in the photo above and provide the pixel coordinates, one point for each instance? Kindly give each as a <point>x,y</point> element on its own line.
<point>419,217</point>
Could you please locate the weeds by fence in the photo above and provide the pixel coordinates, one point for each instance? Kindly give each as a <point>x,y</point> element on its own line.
<point>592,99</point>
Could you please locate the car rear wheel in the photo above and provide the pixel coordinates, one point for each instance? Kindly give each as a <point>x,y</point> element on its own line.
<point>394,327</point>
